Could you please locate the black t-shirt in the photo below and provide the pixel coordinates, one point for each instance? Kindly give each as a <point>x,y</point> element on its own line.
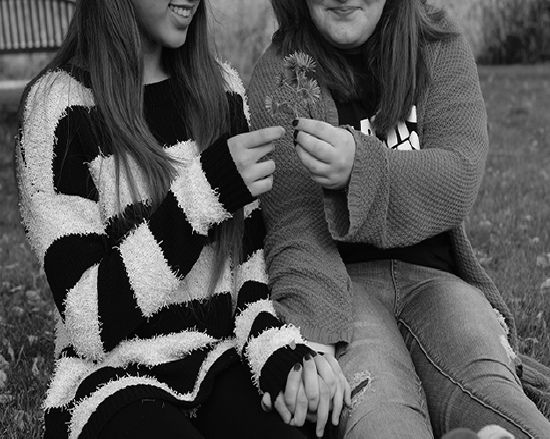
<point>435,252</point>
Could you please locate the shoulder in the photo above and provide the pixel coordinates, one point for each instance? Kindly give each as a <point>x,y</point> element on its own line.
<point>453,52</point>
<point>233,82</point>
<point>266,69</point>
<point>269,61</point>
<point>235,90</point>
<point>50,95</point>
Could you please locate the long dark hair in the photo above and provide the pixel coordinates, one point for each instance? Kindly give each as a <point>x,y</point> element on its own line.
<point>104,38</point>
<point>395,53</point>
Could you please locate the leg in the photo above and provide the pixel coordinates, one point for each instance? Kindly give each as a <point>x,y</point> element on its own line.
<point>387,397</point>
<point>234,410</point>
<point>148,419</point>
<point>462,356</point>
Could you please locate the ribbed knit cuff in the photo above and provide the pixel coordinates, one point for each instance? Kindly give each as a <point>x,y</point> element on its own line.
<point>221,172</point>
<point>276,369</point>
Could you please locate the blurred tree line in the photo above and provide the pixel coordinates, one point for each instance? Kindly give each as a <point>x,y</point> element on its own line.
<point>515,32</point>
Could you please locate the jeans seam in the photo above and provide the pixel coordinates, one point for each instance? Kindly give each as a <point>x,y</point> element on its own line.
<point>393,269</point>
<point>462,388</point>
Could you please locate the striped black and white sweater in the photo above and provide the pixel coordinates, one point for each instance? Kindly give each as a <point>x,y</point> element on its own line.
<point>134,317</point>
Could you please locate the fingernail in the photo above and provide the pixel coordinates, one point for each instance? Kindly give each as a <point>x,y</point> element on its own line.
<point>313,353</point>
<point>297,367</point>
<point>307,357</point>
<point>321,353</point>
<point>295,134</point>
<point>295,122</point>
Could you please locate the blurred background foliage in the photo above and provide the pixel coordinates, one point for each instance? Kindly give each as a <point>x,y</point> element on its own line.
<point>499,31</point>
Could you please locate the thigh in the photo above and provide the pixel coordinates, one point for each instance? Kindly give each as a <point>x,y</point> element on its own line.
<point>234,410</point>
<point>385,387</point>
<point>148,419</point>
<point>462,356</point>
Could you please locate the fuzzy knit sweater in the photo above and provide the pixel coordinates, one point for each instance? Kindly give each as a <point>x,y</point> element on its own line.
<point>135,319</point>
<point>395,198</point>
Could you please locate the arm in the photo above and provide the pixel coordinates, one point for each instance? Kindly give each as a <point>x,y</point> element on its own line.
<point>269,347</point>
<point>309,283</point>
<point>398,198</point>
<point>100,278</point>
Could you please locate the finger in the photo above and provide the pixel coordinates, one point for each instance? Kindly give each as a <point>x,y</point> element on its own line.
<point>338,370</point>
<point>266,402</point>
<point>293,382</point>
<point>325,371</point>
<point>258,171</point>
<point>314,167</point>
<point>301,406</point>
<point>318,148</point>
<point>323,408</point>
<point>254,139</point>
<point>282,409</point>
<point>261,186</point>
<point>319,129</point>
<point>311,384</point>
<point>337,403</point>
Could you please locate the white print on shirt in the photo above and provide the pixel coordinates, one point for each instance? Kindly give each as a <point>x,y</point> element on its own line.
<point>403,137</point>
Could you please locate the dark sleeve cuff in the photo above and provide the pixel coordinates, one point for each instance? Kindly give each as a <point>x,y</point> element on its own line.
<point>221,172</point>
<point>276,369</point>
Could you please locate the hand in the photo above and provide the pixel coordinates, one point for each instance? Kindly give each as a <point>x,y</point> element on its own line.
<point>247,150</point>
<point>311,392</point>
<point>327,152</point>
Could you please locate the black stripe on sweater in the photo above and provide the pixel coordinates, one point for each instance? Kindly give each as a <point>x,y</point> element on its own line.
<point>250,292</point>
<point>180,245</point>
<point>254,233</point>
<point>212,317</point>
<point>64,270</point>
<point>119,313</point>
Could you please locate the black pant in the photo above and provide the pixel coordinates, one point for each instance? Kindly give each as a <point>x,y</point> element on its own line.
<point>232,411</point>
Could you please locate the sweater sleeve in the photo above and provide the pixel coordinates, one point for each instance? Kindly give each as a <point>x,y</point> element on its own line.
<point>269,347</point>
<point>398,198</point>
<point>308,279</point>
<point>102,279</point>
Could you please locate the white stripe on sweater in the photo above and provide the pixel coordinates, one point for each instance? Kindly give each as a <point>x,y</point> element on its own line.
<point>70,372</point>
<point>260,348</point>
<point>235,84</point>
<point>245,319</point>
<point>81,316</point>
<point>148,271</point>
<point>193,191</point>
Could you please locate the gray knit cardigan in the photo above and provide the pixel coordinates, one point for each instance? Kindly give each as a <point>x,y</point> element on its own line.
<point>394,199</point>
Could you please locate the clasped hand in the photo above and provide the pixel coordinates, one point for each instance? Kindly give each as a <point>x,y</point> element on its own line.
<point>326,151</point>
<point>313,389</point>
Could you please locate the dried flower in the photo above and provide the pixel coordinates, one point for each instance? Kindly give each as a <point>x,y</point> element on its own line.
<point>297,77</point>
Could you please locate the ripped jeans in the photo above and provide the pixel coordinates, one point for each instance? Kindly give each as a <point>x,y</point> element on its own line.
<point>428,355</point>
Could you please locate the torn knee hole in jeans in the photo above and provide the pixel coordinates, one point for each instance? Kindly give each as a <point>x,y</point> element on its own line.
<point>359,385</point>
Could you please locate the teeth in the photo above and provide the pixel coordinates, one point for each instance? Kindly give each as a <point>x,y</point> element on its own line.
<point>181,11</point>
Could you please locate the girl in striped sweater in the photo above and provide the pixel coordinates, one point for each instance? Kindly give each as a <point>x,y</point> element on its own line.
<point>137,181</point>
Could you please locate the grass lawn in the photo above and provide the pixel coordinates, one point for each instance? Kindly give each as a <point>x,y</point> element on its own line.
<point>509,228</point>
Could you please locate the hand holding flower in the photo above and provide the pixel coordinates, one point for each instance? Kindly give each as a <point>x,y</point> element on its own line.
<point>326,151</point>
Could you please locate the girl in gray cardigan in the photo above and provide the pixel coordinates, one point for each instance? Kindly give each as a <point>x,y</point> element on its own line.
<point>366,246</point>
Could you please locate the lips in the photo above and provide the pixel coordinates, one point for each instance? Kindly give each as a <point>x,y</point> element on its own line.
<point>182,11</point>
<point>345,9</point>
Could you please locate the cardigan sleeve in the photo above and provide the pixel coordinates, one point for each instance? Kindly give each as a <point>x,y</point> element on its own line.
<point>269,347</point>
<point>309,283</point>
<point>102,279</point>
<point>398,198</point>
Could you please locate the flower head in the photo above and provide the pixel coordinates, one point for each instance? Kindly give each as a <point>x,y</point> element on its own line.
<point>297,76</point>
<point>299,62</point>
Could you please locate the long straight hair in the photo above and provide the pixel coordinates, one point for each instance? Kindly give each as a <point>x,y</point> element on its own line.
<point>104,38</point>
<point>395,53</point>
